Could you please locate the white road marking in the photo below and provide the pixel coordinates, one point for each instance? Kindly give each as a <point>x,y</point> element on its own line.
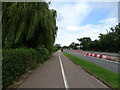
<point>63,74</point>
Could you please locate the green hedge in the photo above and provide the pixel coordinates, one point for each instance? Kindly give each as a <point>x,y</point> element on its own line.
<point>16,62</point>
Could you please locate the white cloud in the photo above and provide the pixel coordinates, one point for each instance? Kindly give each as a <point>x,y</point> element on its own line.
<point>67,35</point>
<point>65,38</point>
<point>110,21</point>
<point>71,15</point>
<point>71,28</point>
<point>105,23</point>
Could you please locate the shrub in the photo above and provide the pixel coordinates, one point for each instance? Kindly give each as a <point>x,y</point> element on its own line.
<point>16,62</point>
<point>43,53</point>
<point>55,49</point>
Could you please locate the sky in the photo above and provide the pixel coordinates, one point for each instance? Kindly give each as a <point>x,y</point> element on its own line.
<point>83,19</point>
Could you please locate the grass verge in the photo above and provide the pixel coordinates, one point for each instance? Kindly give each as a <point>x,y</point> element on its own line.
<point>107,76</point>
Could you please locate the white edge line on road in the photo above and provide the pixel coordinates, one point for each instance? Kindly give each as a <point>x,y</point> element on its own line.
<point>63,74</point>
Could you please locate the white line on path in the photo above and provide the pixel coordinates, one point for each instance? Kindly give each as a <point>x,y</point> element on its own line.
<point>63,73</point>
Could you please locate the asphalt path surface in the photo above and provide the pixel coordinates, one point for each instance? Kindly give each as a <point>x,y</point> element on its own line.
<point>60,72</point>
<point>110,65</point>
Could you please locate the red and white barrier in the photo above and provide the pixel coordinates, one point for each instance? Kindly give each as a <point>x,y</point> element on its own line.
<point>94,55</point>
<point>87,54</point>
<point>108,57</point>
<point>99,56</point>
<point>104,56</point>
<point>90,54</point>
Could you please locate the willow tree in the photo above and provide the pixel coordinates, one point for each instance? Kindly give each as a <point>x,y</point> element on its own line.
<point>28,24</point>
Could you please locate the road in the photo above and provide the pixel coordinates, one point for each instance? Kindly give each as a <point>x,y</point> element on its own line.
<point>110,65</point>
<point>60,72</point>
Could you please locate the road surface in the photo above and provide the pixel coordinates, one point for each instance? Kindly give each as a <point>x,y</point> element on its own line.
<point>110,65</point>
<point>60,72</point>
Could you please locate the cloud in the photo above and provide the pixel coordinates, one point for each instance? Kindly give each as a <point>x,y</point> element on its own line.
<point>73,28</point>
<point>69,34</point>
<point>104,23</point>
<point>70,17</point>
<point>110,21</point>
<point>71,13</point>
<point>65,38</point>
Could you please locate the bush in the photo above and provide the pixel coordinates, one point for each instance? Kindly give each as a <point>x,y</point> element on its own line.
<point>55,48</point>
<point>16,62</point>
<point>43,53</point>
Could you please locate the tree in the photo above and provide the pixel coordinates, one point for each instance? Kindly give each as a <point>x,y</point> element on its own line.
<point>73,45</point>
<point>107,42</point>
<point>28,24</point>
<point>84,41</point>
<point>58,46</point>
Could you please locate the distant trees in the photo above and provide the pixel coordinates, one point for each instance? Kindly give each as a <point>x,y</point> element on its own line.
<point>84,41</point>
<point>73,45</point>
<point>66,47</point>
<point>28,24</point>
<point>57,47</point>
<point>107,42</point>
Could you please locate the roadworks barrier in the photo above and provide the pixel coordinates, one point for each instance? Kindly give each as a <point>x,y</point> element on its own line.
<point>87,54</point>
<point>113,58</point>
<point>101,56</point>
<point>95,55</point>
<point>108,57</point>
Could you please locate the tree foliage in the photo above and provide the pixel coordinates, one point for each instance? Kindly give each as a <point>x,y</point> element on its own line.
<point>107,42</point>
<point>28,35</point>
<point>73,45</point>
<point>28,24</point>
<point>84,41</point>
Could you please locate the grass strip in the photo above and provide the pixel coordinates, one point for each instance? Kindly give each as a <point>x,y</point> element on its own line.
<point>107,76</point>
